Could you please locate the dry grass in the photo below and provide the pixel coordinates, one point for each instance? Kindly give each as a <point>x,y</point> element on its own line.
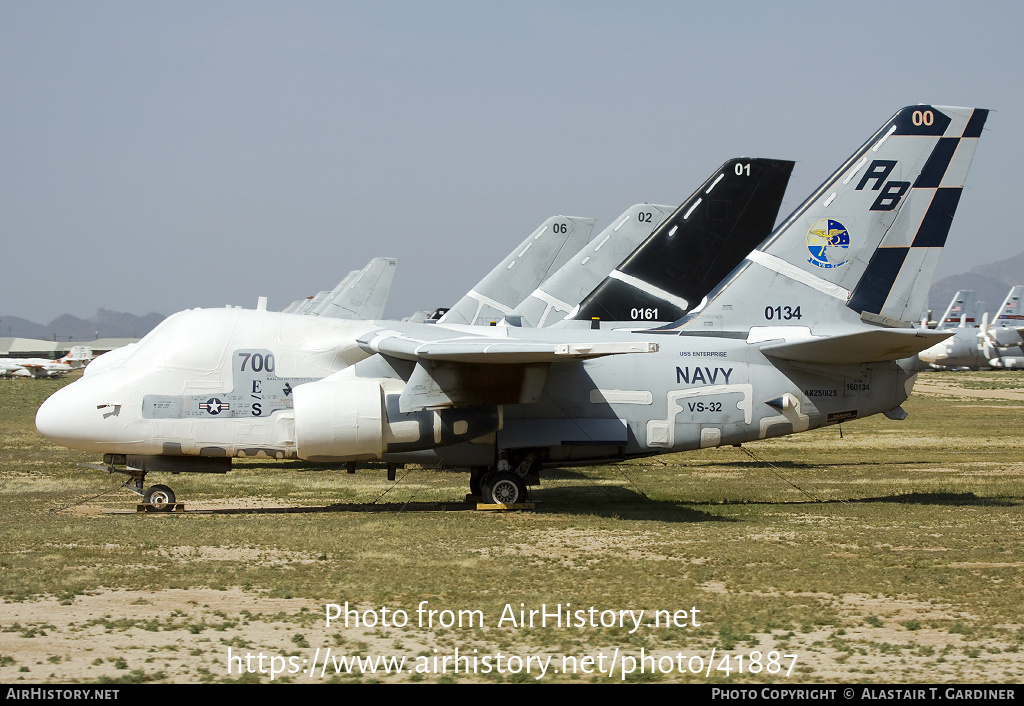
<point>891,554</point>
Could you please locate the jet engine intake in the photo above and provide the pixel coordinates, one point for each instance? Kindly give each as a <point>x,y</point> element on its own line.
<point>353,420</point>
<point>339,420</point>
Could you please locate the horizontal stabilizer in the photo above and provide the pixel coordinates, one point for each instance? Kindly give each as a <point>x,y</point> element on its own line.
<point>861,347</point>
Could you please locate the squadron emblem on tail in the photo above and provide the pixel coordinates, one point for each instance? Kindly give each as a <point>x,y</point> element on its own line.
<point>828,242</point>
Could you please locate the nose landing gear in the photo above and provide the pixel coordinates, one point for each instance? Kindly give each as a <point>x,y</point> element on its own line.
<point>158,498</point>
<point>155,498</point>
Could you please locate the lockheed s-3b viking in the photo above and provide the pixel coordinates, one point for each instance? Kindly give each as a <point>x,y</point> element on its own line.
<point>810,329</point>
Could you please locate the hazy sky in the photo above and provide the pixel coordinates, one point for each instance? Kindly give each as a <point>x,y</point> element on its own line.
<point>158,156</point>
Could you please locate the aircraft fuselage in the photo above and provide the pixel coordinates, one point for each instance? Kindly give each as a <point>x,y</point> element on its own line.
<point>222,383</point>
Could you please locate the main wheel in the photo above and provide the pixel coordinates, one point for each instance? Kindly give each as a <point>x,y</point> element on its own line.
<point>476,474</point>
<point>160,498</point>
<point>503,488</point>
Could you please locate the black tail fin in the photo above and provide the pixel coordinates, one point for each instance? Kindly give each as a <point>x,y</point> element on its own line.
<point>695,248</point>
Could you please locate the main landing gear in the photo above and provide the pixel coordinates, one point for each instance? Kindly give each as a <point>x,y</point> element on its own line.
<point>507,483</point>
<point>503,488</point>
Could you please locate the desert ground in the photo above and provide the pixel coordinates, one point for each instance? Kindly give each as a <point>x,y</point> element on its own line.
<point>881,551</point>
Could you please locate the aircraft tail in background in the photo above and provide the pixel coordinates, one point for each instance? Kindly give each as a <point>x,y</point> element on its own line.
<point>962,312</point>
<point>362,295</point>
<point>694,248</point>
<point>559,293</point>
<point>506,286</point>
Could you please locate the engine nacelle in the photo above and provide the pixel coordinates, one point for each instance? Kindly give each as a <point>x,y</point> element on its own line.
<point>352,419</point>
<point>956,352</point>
<point>339,420</point>
<point>1004,337</point>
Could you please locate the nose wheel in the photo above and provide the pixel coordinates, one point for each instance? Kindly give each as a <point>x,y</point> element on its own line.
<point>155,498</point>
<point>158,498</point>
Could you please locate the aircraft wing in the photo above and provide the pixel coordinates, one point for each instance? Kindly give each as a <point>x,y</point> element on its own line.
<point>455,370</point>
<point>9,368</point>
<point>38,370</point>
<point>479,349</point>
<point>860,347</point>
<point>1003,336</point>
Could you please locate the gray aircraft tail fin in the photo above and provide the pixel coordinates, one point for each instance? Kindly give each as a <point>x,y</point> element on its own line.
<point>363,294</point>
<point>507,285</point>
<point>1010,313</point>
<point>695,247</point>
<point>564,290</point>
<point>865,244</point>
<point>78,356</point>
<point>316,303</point>
<point>310,304</point>
<point>961,312</point>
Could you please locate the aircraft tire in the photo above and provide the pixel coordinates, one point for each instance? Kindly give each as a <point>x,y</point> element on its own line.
<point>503,488</point>
<point>476,475</point>
<point>159,498</point>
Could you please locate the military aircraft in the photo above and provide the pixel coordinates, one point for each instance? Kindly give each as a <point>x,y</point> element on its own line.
<point>661,255</point>
<point>77,357</point>
<point>810,329</point>
<point>733,209</point>
<point>979,343</point>
<point>1010,317</point>
<point>674,269</point>
<point>632,273</point>
<point>361,294</point>
<point>963,318</point>
<point>964,311</point>
<point>503,287</point>
<point>556,296</point>
<point>1001,342</point>
<point>543,252</point>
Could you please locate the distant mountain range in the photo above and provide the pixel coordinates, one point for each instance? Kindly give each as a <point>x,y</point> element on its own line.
<point>105,324</point>
<point>990,283</point>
